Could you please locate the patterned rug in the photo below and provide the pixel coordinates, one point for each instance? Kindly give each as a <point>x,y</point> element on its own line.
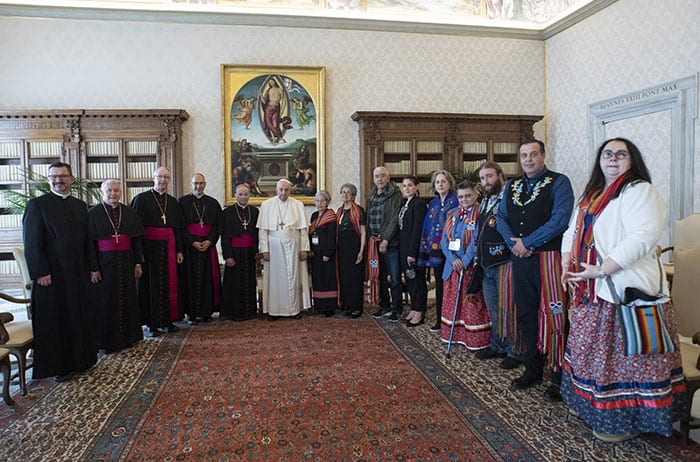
<point>316,389</point>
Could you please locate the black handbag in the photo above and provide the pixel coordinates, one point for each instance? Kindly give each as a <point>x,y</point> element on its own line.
<point>475,281</point>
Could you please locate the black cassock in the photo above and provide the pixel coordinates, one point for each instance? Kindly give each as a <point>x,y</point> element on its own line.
<point>115,300</point>
<point>239,240</point>
<point>56,243</point>
<point>200,282</point>
<point>158,295</point>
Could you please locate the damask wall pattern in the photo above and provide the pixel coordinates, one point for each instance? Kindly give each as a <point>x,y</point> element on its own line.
<point>630,45</point>
<point>113,64</point>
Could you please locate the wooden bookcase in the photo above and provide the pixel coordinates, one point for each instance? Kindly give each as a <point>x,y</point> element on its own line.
<point>98,144</point>
<point>418,143</point>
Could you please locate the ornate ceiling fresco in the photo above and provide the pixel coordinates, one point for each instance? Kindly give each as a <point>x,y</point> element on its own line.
<point>535,19</point>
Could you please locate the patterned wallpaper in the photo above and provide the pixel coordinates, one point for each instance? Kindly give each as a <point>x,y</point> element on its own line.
<point>631,45</point>
<point>111,64</point>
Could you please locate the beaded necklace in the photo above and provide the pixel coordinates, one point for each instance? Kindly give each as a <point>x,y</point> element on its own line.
<point>517,188</point>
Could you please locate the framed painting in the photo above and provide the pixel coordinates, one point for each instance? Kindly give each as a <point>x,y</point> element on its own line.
<point>273,120</point>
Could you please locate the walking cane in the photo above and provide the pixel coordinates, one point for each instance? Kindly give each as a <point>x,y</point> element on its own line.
<point>454,315</point>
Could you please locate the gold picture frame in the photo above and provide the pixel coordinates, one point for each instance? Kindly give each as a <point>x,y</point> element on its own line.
<point>273,119</point>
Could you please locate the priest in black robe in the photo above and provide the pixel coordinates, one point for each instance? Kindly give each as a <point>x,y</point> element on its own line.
<point>116,233</point>
<point>201,279</point>
<point>239,246</point>
<point>60,258</point>
<point>160,215</point>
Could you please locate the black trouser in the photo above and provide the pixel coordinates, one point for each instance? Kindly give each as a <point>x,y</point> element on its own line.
<point>417,287</point>
<point>439,283</point>
<point>528,289</point>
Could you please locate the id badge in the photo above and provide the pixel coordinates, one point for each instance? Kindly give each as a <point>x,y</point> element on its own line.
<point>314,239</point>
<point>455,245</point>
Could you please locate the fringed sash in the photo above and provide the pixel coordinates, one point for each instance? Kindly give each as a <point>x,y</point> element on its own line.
<point>507,324</point>
<point>355,216</point>
<point>373,269</point>
<point>196,229</point>
<point>328,216</point>
<point>553,310</point>
<point>584,250</point>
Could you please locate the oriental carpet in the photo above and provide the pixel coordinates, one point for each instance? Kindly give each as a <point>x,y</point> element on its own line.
<point>316,389</point>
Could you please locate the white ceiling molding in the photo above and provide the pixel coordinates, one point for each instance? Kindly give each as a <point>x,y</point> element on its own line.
<point>176,13</point>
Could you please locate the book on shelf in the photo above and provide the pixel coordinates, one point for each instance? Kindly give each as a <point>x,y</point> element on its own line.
<point>10,149</point>
<point>136,170</point>
<point>102,170</point>
<point>505,148</point>
<point>425,190</point>
<point>10,173</point>
<point>474,147</point>
<point>11,221</point>
<point>102,148</point>
<point>425,167</point>
<point>402,167</point>
<point>141,148</point>
<point>8,267</point>
<point>45,148</point>
<point>133,191</point>
<point>397,147</point>
<point>429,147</point>
<point>41,169</point>
<point>472,165</point>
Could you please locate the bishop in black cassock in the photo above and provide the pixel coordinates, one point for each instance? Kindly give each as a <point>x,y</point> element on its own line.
<point>60,257</point>
<point>239,246</point>
<point>116,233</point>
<point>162,250</point>
<point>200,283</point>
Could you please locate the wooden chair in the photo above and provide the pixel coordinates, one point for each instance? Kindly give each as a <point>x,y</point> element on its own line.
<point>686,307</point>
<point>20,341</point>
<point>5,368</point>
<point>18,253</point>
<point>686,235</point>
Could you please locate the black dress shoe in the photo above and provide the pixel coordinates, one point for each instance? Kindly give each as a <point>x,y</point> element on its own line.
<point>436,328</point>
<point>356,314</point>
<point>172,328</point>
<point>414,324</point>
<point>525,381</point>
<point>552,394</point>
<point>510,363</point>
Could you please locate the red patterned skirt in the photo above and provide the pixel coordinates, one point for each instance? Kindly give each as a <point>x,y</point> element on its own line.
<point>473,322</point>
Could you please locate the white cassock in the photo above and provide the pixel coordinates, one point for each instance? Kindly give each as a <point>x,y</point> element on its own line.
<point>283,233</point>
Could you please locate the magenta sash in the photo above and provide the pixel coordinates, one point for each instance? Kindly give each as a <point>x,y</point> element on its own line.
<point>196,229</point>
<point>166,234</point>
<point>245,240</point>
<point>111,244</point>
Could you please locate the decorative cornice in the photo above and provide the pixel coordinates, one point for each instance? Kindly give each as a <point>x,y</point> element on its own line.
<point>237,18</point>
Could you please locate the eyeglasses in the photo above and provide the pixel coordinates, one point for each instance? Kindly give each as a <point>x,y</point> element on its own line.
<point>619,155</point>
<point>162,177</point>
<point>63,176</point>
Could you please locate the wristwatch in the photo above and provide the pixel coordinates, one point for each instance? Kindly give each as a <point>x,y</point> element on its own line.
<point>601,274</point>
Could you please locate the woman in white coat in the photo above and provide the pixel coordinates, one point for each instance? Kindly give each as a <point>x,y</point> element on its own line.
<point>614,232</point>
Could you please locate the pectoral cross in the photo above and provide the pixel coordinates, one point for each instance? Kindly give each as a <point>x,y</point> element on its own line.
<point>162,217</point>
<point>201,224</point>
<point>116,237</point>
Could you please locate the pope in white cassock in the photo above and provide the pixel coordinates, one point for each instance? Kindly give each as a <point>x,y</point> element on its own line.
<point>284,245</point>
